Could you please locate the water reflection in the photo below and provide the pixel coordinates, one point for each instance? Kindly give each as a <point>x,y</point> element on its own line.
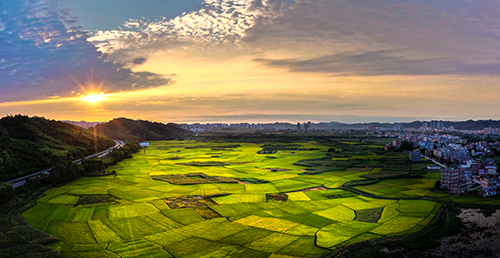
<point>480,236</point>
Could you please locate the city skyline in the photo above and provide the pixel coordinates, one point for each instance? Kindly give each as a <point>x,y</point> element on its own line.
<point>250,60</point>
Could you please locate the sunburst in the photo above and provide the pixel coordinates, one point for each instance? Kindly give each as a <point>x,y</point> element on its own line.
<point>94,98</point>
<point>91,92</point>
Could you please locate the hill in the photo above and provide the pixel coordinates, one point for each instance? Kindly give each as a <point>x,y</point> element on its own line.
<point>32,144</point>
<point>128,129</point>
<point>83,124</point>
<point>460,125</point>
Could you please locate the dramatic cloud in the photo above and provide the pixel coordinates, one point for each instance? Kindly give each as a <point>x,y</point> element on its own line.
<point>217,27</point>
<point>244,59</point>
<point>42,55</point>
<point>384,37</point>
<point>340,37</point>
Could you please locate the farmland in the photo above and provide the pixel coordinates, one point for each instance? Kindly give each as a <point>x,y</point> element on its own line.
<point>196,199</point>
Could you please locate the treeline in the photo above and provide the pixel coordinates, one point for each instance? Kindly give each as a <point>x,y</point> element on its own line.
<point>66,171</point>
<point>140,130</point>
<point>32,144</point>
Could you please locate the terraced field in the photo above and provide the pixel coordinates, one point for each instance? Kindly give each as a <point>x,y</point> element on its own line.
<point>203,214</point>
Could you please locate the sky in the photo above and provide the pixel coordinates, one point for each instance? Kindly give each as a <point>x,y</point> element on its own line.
<point>250,60</point>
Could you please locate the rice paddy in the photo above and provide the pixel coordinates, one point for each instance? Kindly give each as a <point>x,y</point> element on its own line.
<point>226,201</point>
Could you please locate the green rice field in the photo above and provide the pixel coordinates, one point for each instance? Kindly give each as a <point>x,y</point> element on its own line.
<point>208,200</point>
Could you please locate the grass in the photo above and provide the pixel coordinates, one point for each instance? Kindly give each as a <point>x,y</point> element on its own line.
<point>302,247</point>
<point>64,199</point>
<point>338,213</point>
<point>298,196</point>
<point>131,210</point>
<point>397,224</point>
<point>272,243</point>
<point>183,216</point>
<point>311,220</point>
<point>83,214</point>
<point>223,230</point>
<point>328,239</point>
<point>102,233</point>
<point>389,212</point>
<point>63,213</point>
<point>246,236</point>
<point>272,224</point>
<point>71,232</point>
<point>240,198</point>
<point>141,248</point>
<point>134,228</point>
<point>199,209</point>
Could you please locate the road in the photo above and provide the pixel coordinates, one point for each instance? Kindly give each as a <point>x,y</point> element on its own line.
<point>442,165</point>
<point>22,180</point>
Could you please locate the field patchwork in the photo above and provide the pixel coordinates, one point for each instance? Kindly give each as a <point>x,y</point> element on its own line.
<point>215,199</point>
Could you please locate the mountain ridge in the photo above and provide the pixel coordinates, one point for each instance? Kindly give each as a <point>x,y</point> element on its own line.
<point>32,144</point>
<point>128,129</point>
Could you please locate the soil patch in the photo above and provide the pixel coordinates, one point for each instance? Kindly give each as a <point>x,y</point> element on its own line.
<point>369,215</point>
<point>173,158</point>
<point>276,197</point>
<point>198,203</point>
<point>95,198</point>
<point>210,163</point>
<point>251,181</point>
<point>277,169</point>
<point>193,178</point>
<point>318,188</point>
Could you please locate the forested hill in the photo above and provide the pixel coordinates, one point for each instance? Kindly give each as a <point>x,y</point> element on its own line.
<point>32,144</point>
<point>128,129</point>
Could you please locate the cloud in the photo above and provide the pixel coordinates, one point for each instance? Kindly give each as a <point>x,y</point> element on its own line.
<point>42,55</point>
<point>383,37</point>
<point>139,60</point>
<point>217,27</point>
<point>375,63</point>
<point>343,37</point>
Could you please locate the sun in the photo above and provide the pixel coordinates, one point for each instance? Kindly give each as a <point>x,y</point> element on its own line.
<point>94,98</point>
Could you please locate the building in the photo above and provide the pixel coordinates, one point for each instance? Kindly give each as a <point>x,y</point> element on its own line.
<point>429,145</point>
<point>298,126</point>
<point>490,170</point>
<point>396,127</point>
<point>415,155</point>
<point>489,186</point>
<point>455,181</point>
<point>424,126</point>
<point>437,125</point>
<point>449,176</point>
<point>433,167</point>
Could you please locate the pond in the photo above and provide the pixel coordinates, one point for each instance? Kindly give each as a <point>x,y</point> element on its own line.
<point>480,236</point>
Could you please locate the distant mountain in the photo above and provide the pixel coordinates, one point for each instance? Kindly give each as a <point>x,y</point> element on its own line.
<point>459,125</point>
<point>473,125</point>
<point>82,123</point>
<point>32,144</point>
<point>128,129</point>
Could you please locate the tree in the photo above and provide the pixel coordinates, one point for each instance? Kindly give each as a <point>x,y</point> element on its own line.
<point>6,192</point>
<point>406,146</point>
<point>93,165</point>
<point>437,185</point>
<point>64,171</point>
